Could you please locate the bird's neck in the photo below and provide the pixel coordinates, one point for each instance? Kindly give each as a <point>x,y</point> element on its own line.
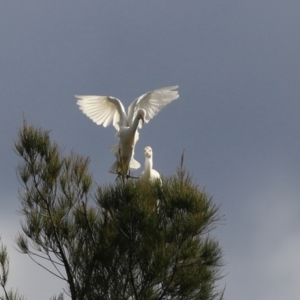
<point>135,124</point>
<point>129,135</point>
<point>148,165</point>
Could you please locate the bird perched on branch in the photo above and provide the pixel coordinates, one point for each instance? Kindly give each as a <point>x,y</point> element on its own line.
<point>104,110</point>
<point>149,174</point>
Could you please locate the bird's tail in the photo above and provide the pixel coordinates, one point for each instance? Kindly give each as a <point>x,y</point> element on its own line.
<point>114,149</point>
<point>134,164</point>
<point>115,166</point>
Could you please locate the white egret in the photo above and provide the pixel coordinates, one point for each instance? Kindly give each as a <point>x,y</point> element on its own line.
<point>124,151</point>
<point>104,110</point>
<point>149,174</point>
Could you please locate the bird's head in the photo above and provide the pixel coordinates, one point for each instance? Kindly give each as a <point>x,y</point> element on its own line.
<point>148,151</point>
<point>141,115</point>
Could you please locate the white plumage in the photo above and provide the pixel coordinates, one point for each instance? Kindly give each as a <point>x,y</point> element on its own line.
<point>149,174</point>
<point>124,151</point>
<point>104,110</point>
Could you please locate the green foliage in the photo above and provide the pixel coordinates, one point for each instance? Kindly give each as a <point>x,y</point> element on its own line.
<point>4,270</point>
<point>134,241</point>
<point>4,264</point>
<point>60,297</point>
<point>159,252</point>
<point>13,295</point>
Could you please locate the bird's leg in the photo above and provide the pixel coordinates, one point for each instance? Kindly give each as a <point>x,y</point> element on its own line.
<point>118,177</point>
<point>121,166</point>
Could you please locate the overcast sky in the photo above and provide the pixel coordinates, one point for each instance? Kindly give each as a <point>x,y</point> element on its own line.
<point>237,65</point>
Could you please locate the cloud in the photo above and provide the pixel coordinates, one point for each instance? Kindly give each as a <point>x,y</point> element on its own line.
<point>264,261</point>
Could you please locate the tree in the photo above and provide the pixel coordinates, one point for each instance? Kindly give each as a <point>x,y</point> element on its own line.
<point>4,270</point>
<point>128,240</point>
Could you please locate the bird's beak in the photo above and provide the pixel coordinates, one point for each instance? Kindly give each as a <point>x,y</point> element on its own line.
<point>143,120</point>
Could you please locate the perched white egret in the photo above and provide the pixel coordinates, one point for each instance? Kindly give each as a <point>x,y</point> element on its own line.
<point>149,174</point>
<point>104,110</point>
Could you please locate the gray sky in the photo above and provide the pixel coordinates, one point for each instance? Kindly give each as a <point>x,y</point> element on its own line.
<point>237,65</point>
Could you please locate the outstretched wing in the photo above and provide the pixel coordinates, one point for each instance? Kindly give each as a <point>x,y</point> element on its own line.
<point>103,110</point>
<point>153,102</point>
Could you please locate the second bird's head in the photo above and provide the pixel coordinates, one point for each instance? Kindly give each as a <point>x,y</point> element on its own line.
<point>148,151</point>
